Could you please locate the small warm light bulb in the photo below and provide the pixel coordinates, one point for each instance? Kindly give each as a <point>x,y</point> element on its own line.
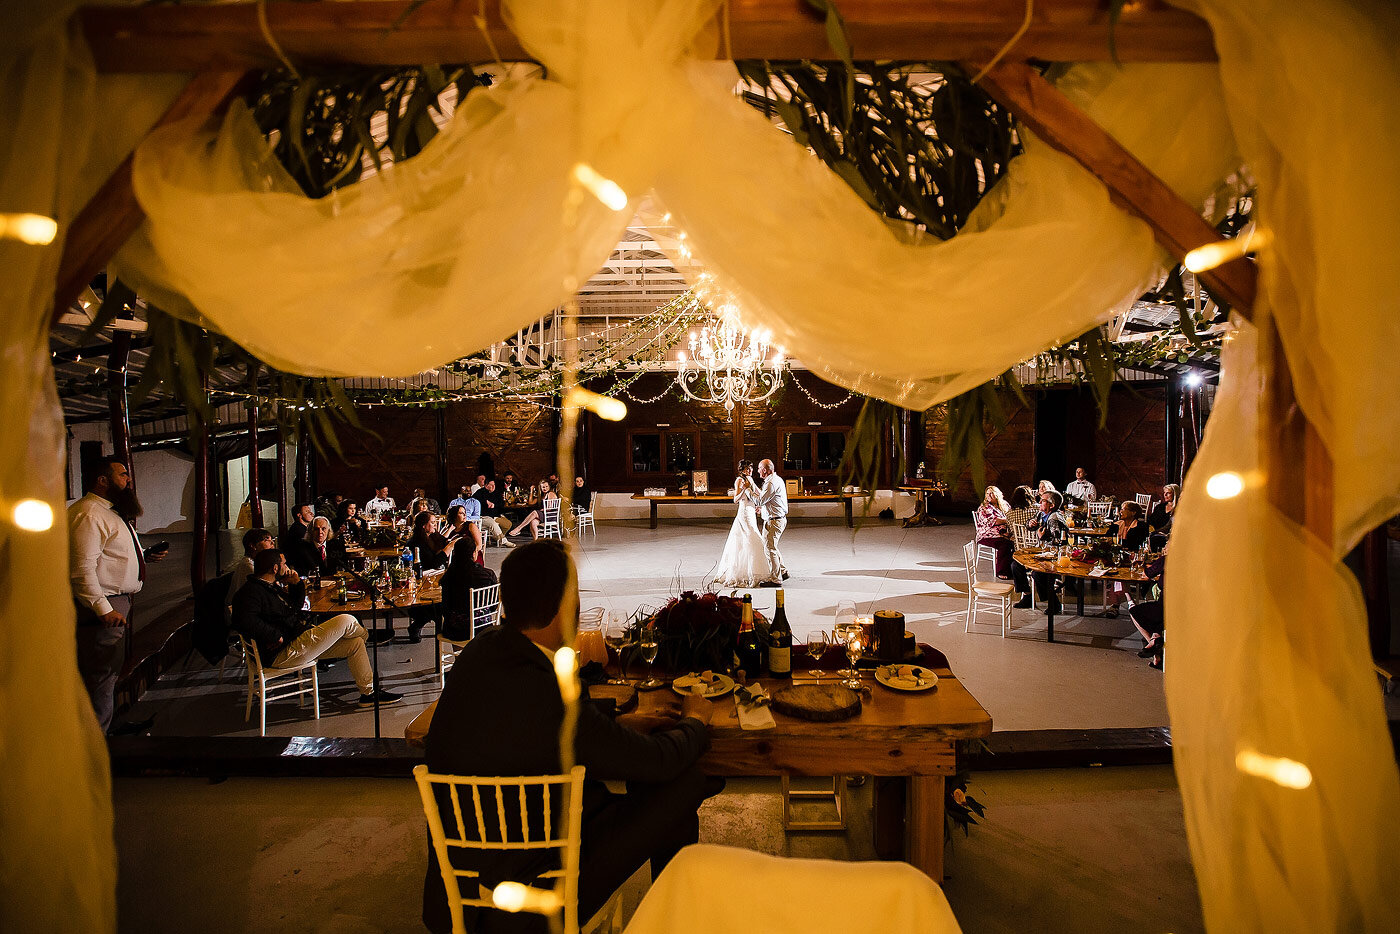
<point>604,189</point>
<point>605,407</point>
<point>34,229</point>
<point>1286,773</point>
<point>1221,252</point>
<point>1225,485</point>
<point>33,515</point>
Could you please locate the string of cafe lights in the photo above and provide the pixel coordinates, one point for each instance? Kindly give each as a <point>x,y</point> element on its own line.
<point>850,394</point>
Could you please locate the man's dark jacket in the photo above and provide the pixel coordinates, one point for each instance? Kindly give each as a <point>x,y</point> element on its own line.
<point>265,613</point>
<point>499,715</point>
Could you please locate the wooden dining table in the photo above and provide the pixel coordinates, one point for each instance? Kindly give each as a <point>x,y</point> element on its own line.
<point>905,735</point>
<point>1031,560</point>
<point>397,601</point>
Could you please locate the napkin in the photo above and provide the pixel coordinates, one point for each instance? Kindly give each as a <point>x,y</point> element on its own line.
<point>433,574</point>
<point>1098,572</point>
<point>752,716</point>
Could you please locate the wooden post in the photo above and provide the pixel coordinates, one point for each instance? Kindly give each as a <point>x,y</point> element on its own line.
<point>282,504</point>
<point>912,437</point>
<point>254,494</point>
<point>116,398</point>
<point>443,490</point>
<point>1375,586</point>
<point>199,551</point>
<point>303,482</point>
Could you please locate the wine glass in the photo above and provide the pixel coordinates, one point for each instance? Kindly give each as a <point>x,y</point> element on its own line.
<point>615,638</point>
<point>649,645</point>
<point>845,614</point>
<point>853,639</point>
<point>817,644</point>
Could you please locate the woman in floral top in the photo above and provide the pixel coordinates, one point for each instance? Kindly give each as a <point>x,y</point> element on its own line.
<point>990,520</point>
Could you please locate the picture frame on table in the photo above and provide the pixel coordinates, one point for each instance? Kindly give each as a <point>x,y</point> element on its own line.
<point>794,486</point>
<point>699,482</point>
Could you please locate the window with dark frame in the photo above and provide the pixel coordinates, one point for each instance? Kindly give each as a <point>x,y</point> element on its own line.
<point>663,451</point>
<point>812,451</point>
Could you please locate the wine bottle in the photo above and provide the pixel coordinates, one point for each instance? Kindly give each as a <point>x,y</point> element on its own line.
<point>747,648</point>
<point>780,642</point>
<point>417,564</point>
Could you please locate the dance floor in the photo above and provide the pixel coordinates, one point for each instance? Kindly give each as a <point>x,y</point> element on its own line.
<point>1089,678</point>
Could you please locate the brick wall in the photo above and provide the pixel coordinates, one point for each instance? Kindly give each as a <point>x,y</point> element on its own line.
<point>1010,452</point>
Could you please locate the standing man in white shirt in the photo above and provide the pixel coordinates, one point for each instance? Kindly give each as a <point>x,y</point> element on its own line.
<point>107,567</point>
<point>770,502</point>
<point>1080,488</point>
<point>382,502</point>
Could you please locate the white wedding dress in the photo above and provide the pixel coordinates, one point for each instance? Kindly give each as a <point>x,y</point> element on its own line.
<point>744,562</point>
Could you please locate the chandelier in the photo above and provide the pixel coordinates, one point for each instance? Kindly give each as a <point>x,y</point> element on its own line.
<point>728,364</point>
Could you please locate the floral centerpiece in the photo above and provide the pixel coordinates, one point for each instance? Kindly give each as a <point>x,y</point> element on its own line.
<point>1105,551</point>
<point>697,631</point>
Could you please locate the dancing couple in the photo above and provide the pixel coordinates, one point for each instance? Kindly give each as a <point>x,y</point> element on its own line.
<point>751,557</point>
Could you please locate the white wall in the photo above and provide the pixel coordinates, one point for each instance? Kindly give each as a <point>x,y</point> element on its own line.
<point>623,506</point>
<point>165,483</point>
<point>238,487</point>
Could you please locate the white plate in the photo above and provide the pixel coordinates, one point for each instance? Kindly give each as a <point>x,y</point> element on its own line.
<point>901,677</point>
<point>687,684</point>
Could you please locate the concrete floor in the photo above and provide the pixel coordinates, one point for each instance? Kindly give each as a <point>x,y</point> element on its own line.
<point>1090,677</point>
<point>1094,850</point>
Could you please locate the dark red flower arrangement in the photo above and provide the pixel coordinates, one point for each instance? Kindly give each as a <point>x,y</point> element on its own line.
<point>698,631</point>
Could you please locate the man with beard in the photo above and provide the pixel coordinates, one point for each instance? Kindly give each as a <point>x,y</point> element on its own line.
<point>107,567</point>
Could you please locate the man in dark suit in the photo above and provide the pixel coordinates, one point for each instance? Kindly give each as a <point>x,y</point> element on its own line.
<point>316,553</point>
<point>500,715</point>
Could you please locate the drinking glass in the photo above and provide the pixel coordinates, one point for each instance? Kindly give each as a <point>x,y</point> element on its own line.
<point>817,644</point>
<point>615,638</point>
<point>852,640</point>
<point>649,645</point>
<point>845,614</point>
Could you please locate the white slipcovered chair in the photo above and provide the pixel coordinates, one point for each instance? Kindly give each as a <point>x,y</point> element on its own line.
<point>260,683</point>
<point>1100,509</point>
<point>985,596</point>
<point>708,888</point>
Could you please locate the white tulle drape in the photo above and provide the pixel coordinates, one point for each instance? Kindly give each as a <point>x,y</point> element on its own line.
<point>1267,651</point>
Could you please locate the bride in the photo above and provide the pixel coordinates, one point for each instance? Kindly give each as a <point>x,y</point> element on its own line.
<point>744,562</point>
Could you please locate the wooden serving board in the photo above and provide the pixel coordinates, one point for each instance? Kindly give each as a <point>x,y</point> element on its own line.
<point>624,694</point>
<point>821,702</point>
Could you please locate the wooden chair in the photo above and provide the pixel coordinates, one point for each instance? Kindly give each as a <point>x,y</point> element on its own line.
<point>1023,537</point>
<point>260,683</point>
<point>483,825</point>
<point>985,596</point>
<point>836,795</point>
<point>483,611</point>
<point>550,526</point>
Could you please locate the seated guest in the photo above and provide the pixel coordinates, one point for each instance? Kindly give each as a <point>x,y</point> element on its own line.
<point>1049,523</point>
<point>458,581</point>
<point>350,525</point>
<point>329,505</point>
<point>302,516</point>
<point>509,486</point>
<point>491,518</point>
<point>381,503</point>
<point>510,668</point>
<point>1047,487</point>
<point>1080,489</point>
<point>1160,521</point>
<point>254,541</point>
<point>266,610</point>
<point>583,495</point>
<point>991,529</point>
<point>422,502</point>
<point>1130,533</point>
<point>464,495</point>
<point>1022,509</point>
<point>463,524</point>
<point>480,482</point>
<point>431,549</point>
<point>317,554</point>
<point>1149,619</point>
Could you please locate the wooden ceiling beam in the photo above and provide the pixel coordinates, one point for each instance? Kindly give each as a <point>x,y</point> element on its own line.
<point>1176,225</point>
<point>197,37</point>
<point>113,215</point>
